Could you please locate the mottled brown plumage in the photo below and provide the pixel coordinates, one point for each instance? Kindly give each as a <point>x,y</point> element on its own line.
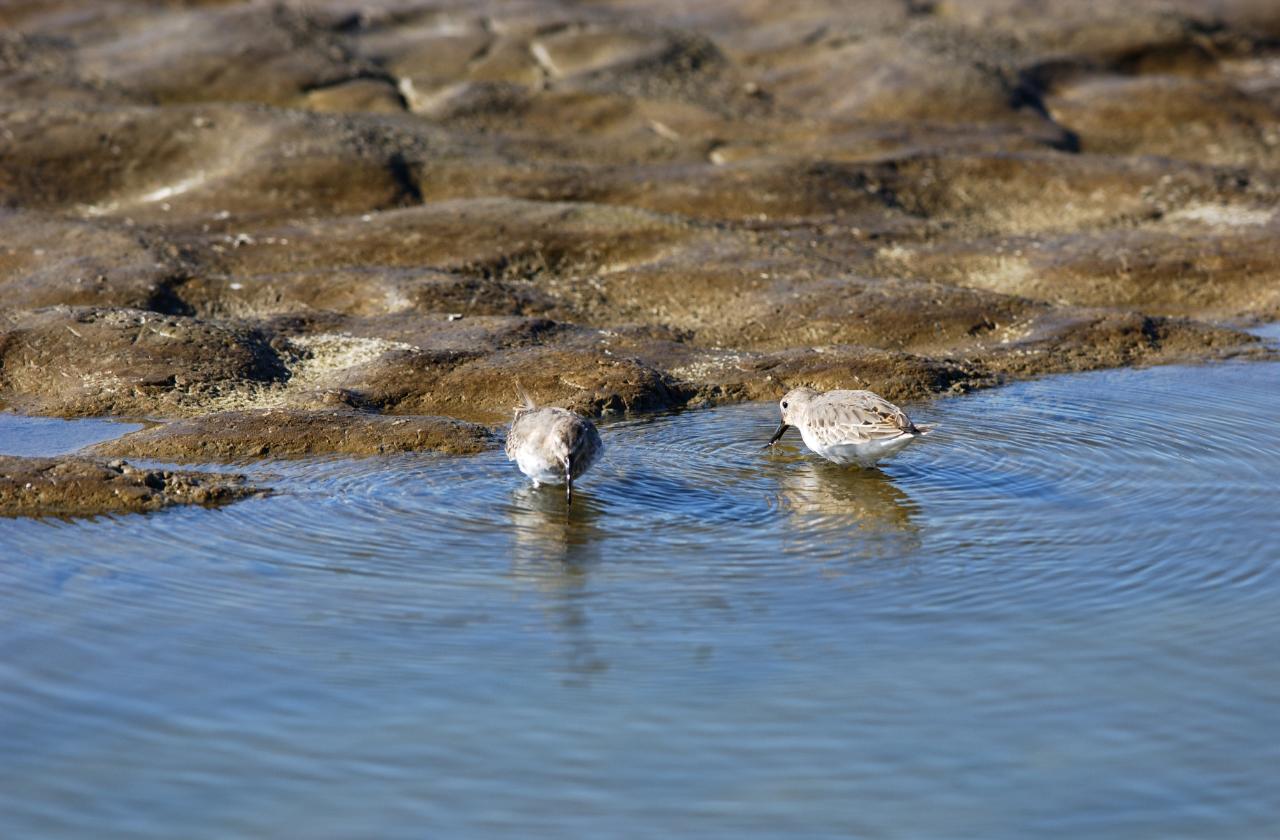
<point>552,445</point>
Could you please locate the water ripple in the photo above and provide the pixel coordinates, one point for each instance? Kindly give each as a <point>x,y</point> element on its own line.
<point>1080,569</point>
<point>1129,472</point>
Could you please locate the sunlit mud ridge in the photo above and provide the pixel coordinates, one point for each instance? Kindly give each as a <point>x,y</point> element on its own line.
<point>342,213</point>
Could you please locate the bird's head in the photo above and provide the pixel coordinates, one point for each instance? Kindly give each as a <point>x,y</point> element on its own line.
<point>792,405</point>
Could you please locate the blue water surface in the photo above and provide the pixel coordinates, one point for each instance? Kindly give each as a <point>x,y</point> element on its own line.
<point>1057,616</point>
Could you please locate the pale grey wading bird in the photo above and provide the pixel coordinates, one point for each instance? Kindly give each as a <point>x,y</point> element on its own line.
<point>552,445</point>
<point>847,427</point>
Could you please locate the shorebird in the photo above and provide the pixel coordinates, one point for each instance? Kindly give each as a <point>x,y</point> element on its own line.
<point>551,445</point>
<point>847,427</point>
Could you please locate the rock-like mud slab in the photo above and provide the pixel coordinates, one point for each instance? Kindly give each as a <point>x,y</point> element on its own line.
<point>231,436</point>
<point>73,486</point>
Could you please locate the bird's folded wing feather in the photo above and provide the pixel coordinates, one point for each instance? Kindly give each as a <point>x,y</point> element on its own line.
<point>854,418</point>
<point>515,437</point>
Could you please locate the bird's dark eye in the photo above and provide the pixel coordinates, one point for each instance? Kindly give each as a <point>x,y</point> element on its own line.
<point>784,405</point>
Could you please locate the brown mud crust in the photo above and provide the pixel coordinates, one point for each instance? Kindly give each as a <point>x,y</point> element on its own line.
<point>74,486</point>
<point>230,436</point>
<point>329,226</point>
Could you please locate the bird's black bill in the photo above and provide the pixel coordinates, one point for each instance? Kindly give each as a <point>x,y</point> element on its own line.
<point>777,436</point>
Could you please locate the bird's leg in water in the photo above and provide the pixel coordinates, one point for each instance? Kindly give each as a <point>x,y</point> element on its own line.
<point>568,484</point>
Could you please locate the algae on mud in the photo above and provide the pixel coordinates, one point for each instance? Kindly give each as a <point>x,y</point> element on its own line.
<point>401,207</point>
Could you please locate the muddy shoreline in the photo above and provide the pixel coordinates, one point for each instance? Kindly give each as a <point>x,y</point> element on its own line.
<point>368,220</point>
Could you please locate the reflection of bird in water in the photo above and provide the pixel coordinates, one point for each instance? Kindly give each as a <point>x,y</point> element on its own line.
<point>552,445</point>
<point>847,427</point>
<point>553,556</point>
<point>819,492</point>
<point>545,531</point>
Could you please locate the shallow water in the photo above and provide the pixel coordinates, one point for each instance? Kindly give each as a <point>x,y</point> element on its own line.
<point>42,436</point>
<point>1056,616</point>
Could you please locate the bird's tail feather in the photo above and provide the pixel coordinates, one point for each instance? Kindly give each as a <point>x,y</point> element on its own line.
<point>526,401</point>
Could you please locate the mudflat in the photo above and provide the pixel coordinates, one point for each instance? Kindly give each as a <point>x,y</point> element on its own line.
<point>290,227</point>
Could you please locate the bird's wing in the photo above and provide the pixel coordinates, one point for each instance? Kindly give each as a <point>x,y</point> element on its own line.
<point>855,417</point>
<point>515,436</point>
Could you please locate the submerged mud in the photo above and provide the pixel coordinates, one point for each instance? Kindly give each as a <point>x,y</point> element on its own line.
<point>400,208</point>
<point>73,486</point>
